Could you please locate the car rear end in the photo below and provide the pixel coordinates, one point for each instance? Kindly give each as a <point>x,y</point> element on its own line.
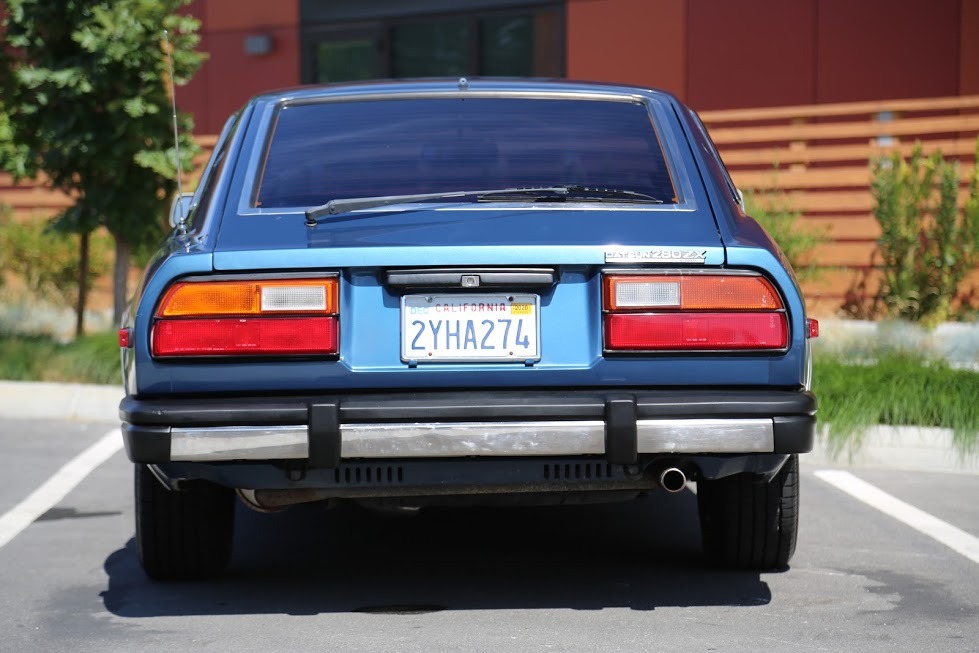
<point>520,347</point>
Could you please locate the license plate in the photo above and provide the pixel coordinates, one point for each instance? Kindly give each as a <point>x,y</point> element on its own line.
<point>470,328</point>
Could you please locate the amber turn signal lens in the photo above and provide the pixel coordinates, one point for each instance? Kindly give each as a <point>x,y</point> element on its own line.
<point>243,298</point>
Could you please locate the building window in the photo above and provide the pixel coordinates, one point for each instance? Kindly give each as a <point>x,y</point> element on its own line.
<point>345,60</point>
<point>430,48</point>
<point>516,42</point>
<point>507,46</point>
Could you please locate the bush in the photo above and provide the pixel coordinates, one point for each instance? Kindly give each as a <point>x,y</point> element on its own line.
<point>46,260</point>
<point>92,358</point>
<point>927,245</point>
<point>773,211</point>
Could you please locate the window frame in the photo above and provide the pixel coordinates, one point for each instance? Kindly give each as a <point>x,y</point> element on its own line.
<point>658,112</point>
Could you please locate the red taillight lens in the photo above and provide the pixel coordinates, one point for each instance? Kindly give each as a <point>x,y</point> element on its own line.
<point>813,328</point>
<point>697,331</point>
<point>248,317</point>
<point>693,312</point>
<point>245,336</point>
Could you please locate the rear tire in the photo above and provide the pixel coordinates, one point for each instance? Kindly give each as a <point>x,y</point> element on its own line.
<point>747,523</point>
<point>186,534</point>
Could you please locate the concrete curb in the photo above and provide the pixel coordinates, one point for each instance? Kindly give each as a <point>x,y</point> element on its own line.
<point>68,401</point>
<point>909,448</point>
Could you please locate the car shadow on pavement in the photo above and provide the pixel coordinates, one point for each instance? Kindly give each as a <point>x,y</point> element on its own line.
<point>641,555</point>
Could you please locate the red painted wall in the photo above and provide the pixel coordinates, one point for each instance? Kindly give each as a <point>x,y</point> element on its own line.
<point>640,42</point>
<point>969,48</point>
<point>757,53</point>
<point>729,54</point>
<point>715,54</point>
<point>887,49</point>
<point>230,76</point>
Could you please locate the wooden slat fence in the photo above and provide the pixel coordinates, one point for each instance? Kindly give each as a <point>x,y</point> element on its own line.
<point>819,157</point>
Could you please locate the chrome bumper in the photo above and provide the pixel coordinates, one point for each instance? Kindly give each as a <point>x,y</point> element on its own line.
<point>460,439</point>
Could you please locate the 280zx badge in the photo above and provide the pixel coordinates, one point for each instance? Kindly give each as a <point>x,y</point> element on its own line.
<point>692,255</point>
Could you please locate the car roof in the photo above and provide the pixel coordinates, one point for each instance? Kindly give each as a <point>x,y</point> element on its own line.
<point>455,85</point>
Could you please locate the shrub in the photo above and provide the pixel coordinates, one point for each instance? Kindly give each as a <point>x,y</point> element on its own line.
<point>46,260</point>
<point>773,211</point>
<point>927,246</point>
<point>92,358</point>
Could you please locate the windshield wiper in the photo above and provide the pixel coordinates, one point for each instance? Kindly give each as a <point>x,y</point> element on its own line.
<point>570,192</point>
<point>346,204</point>
<point>543,193</point>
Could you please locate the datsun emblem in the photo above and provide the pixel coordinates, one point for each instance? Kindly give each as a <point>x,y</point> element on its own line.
<point>682,255</point>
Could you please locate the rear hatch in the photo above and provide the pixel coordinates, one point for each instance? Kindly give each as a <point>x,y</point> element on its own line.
<point>478,295</point>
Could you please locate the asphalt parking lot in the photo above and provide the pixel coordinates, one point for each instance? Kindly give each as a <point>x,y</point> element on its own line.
<point>601,578</point>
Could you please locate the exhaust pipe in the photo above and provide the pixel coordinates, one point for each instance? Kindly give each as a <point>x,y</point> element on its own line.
<point>276,500</point>
<point>672,479</point>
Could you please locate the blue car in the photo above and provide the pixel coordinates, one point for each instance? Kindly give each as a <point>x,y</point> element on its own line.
<point>409,294</point>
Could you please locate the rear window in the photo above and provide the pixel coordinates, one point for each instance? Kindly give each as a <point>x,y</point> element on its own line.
<point>331,150</point>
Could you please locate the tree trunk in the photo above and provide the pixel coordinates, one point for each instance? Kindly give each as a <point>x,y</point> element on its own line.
<point>120,278</point>
<point>82,284</point>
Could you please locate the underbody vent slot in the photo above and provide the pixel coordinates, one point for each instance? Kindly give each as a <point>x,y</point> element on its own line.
<point>369,475</point>
<point>584,471</point>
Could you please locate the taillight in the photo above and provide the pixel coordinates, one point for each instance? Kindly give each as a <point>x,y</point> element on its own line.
<point>255,317</point>
<point>706,312</point>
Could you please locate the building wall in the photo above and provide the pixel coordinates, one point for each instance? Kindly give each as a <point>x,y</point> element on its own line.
<point>628,41</point>
<point>969,48</point>
<point>760,58</point>
<point>715,54</point>
<point>885,49</point>
<point>231,76</point>
<point>722,54</point>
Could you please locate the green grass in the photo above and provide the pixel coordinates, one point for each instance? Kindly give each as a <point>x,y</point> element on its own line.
<point>90,359</point>
<point>896,388</point>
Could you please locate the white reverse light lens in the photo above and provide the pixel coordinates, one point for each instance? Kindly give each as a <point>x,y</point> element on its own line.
<point>631,294</point>
<point>294,298</point>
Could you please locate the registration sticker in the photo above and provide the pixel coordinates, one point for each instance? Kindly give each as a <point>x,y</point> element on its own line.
<point>470,328</point>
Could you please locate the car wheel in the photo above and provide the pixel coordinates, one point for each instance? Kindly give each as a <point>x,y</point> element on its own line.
<point>747,523</point>
<point>186,534</point>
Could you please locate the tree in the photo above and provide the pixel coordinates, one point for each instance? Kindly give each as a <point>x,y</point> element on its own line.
<point>84,100</point>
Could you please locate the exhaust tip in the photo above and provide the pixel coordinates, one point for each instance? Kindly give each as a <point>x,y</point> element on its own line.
<point>252,500</point>
<point>672,479</point>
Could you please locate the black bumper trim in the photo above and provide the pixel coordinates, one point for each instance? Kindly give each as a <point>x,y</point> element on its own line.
<point>147,422</point>
<point>473,405</point>
<point>324,434</point>
<point>146,444</point>
<point>621,434</point>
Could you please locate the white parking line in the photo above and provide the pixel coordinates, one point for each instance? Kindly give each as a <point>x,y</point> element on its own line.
<point>952,537</point>
<point>58,486</point>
